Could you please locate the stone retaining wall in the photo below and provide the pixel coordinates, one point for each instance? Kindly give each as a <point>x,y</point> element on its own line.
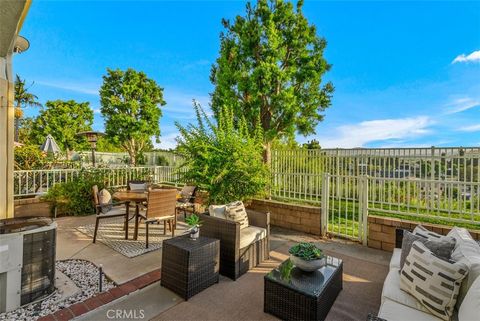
<point>31,207</point>
<point>296,217</point>
<point>381,231</point>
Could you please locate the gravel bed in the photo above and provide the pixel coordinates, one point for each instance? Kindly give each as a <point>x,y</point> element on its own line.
<point>85,276</point>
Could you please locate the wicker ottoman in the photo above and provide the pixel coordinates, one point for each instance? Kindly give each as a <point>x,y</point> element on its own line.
<point>189,266</point>
<point>292,294</point>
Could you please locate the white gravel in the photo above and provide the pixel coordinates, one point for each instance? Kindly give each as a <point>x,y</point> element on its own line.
<point>85,276</point>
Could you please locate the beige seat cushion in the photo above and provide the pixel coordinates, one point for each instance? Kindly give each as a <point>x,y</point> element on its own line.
<point>391,291</point>
<point>114,212</point>
<point>395,260</point>
<point>466,251</point>
<point>470,308</point>
<point>394,311</point>
<point>251,234</point>
<point>217,211</point>
<point>236,212</point>
<point>105,200</point>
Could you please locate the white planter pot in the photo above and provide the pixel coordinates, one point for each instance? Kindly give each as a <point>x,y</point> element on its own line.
<point>307,266</point>
<point>195,233</point>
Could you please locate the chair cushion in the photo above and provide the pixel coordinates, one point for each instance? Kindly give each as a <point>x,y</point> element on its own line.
<point>391,291</point>
<point>115,211</point>
<point>236,212</point>
<point>470,308</point>
<point>395,260</point>
<point>217,211</point>
<point>432,280</point>
<point>394,311</point>
<point>251,234</point>
<point>441,247</point>
<point>105,200</point>
<point>466,251</point>
<point>138,186</point>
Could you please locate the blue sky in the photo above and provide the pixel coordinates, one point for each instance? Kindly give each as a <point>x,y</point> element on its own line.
<point>406,73</point>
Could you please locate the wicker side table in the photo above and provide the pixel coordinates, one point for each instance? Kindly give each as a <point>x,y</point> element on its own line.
<point>292,294</point>
<point>189,266</point>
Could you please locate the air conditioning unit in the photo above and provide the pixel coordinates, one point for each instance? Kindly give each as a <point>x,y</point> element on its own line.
<point>27,260</point>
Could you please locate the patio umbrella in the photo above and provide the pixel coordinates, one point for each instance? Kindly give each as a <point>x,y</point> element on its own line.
<point>50,146</point>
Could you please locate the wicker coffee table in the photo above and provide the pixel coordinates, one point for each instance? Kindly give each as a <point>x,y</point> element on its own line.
<point>292,294</point>
<point>190,266</point>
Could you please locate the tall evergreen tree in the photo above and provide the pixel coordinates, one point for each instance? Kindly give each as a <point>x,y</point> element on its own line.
<point>270,71</point>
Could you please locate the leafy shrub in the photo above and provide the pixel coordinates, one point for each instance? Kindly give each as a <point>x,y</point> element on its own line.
<point>75,197</point>
<point>306,251</point>
<point>223,158</point>
<point>29,157</point>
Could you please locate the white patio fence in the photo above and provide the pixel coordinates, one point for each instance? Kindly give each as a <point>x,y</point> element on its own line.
<point>38,182</point>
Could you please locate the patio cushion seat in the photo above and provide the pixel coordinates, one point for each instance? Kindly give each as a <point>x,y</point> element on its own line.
<point>115,211</point>
<point>391,291</point>
<point>394,311</point>
<point>251,235</point>
<point>470,307</point>
<point>184,204</point>
<point>395,261</point>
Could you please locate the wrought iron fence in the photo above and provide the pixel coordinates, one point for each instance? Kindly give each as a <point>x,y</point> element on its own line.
<point>38,182</point>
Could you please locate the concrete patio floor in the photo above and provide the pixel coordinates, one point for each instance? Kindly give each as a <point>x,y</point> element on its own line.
<point>158,303</point>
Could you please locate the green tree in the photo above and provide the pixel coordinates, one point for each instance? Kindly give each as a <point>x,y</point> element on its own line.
<point>131,108</point>
<point>222,159</point>
<point>270,70</point>
<point>63,119</point>
<point>312,144</point>
<point>22,98</point>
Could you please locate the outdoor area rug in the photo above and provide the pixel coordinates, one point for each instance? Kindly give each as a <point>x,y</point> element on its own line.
<point>111,233</point>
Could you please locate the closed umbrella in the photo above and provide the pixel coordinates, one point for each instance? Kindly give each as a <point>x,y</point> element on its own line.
<point>50,146</point>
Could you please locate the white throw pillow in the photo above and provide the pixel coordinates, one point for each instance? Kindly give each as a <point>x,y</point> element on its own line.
<point>470,307</point>
<point>466,251</point>
<point>217,211</point>
<point>432,281</point>
<point>138,186</point>
<point>236,212</point>
<point>105,199</point>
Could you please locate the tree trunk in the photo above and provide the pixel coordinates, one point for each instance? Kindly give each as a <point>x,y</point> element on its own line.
<point>267,153</point>
<point>17,121</point>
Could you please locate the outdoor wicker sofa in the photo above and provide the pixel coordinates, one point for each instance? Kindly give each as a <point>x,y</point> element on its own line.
<point>240,250</point>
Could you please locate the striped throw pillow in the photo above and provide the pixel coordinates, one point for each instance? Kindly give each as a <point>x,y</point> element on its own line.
<point>432,281</point>
<point>425,233</point>
<point>236,212</point>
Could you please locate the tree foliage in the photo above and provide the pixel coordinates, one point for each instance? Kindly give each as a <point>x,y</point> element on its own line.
<point>270,70</point>
<point>23,98</point>
<point>222,158</point>
<point>131,108</point>
<point>63,119</point>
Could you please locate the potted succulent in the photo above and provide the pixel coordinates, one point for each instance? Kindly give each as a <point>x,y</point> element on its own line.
<point>194,222</point>
<point>307,257</point>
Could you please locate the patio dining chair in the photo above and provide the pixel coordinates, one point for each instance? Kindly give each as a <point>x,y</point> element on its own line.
<point>106,208</point>
<point>187,199</point>
<point>160,207</point>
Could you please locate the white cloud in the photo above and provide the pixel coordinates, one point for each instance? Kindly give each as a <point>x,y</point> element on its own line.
<point>167,141</point>
<point>358,135</point>
<point>461,104</point>
<point>473,57</point>
<point>472,128</point>
<point>88,89</point>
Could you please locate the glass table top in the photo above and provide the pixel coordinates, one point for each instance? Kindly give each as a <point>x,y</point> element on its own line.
<point>309,283</point>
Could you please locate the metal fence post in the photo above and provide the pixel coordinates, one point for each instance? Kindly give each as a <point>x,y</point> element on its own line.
<point>363,233</point>
<point>325,203</point>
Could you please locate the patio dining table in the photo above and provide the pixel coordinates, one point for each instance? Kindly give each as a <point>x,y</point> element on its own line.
<point>137,197</point>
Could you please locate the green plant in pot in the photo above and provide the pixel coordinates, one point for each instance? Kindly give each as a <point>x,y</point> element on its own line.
<point>194,222</point>
<point>307,257</point>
